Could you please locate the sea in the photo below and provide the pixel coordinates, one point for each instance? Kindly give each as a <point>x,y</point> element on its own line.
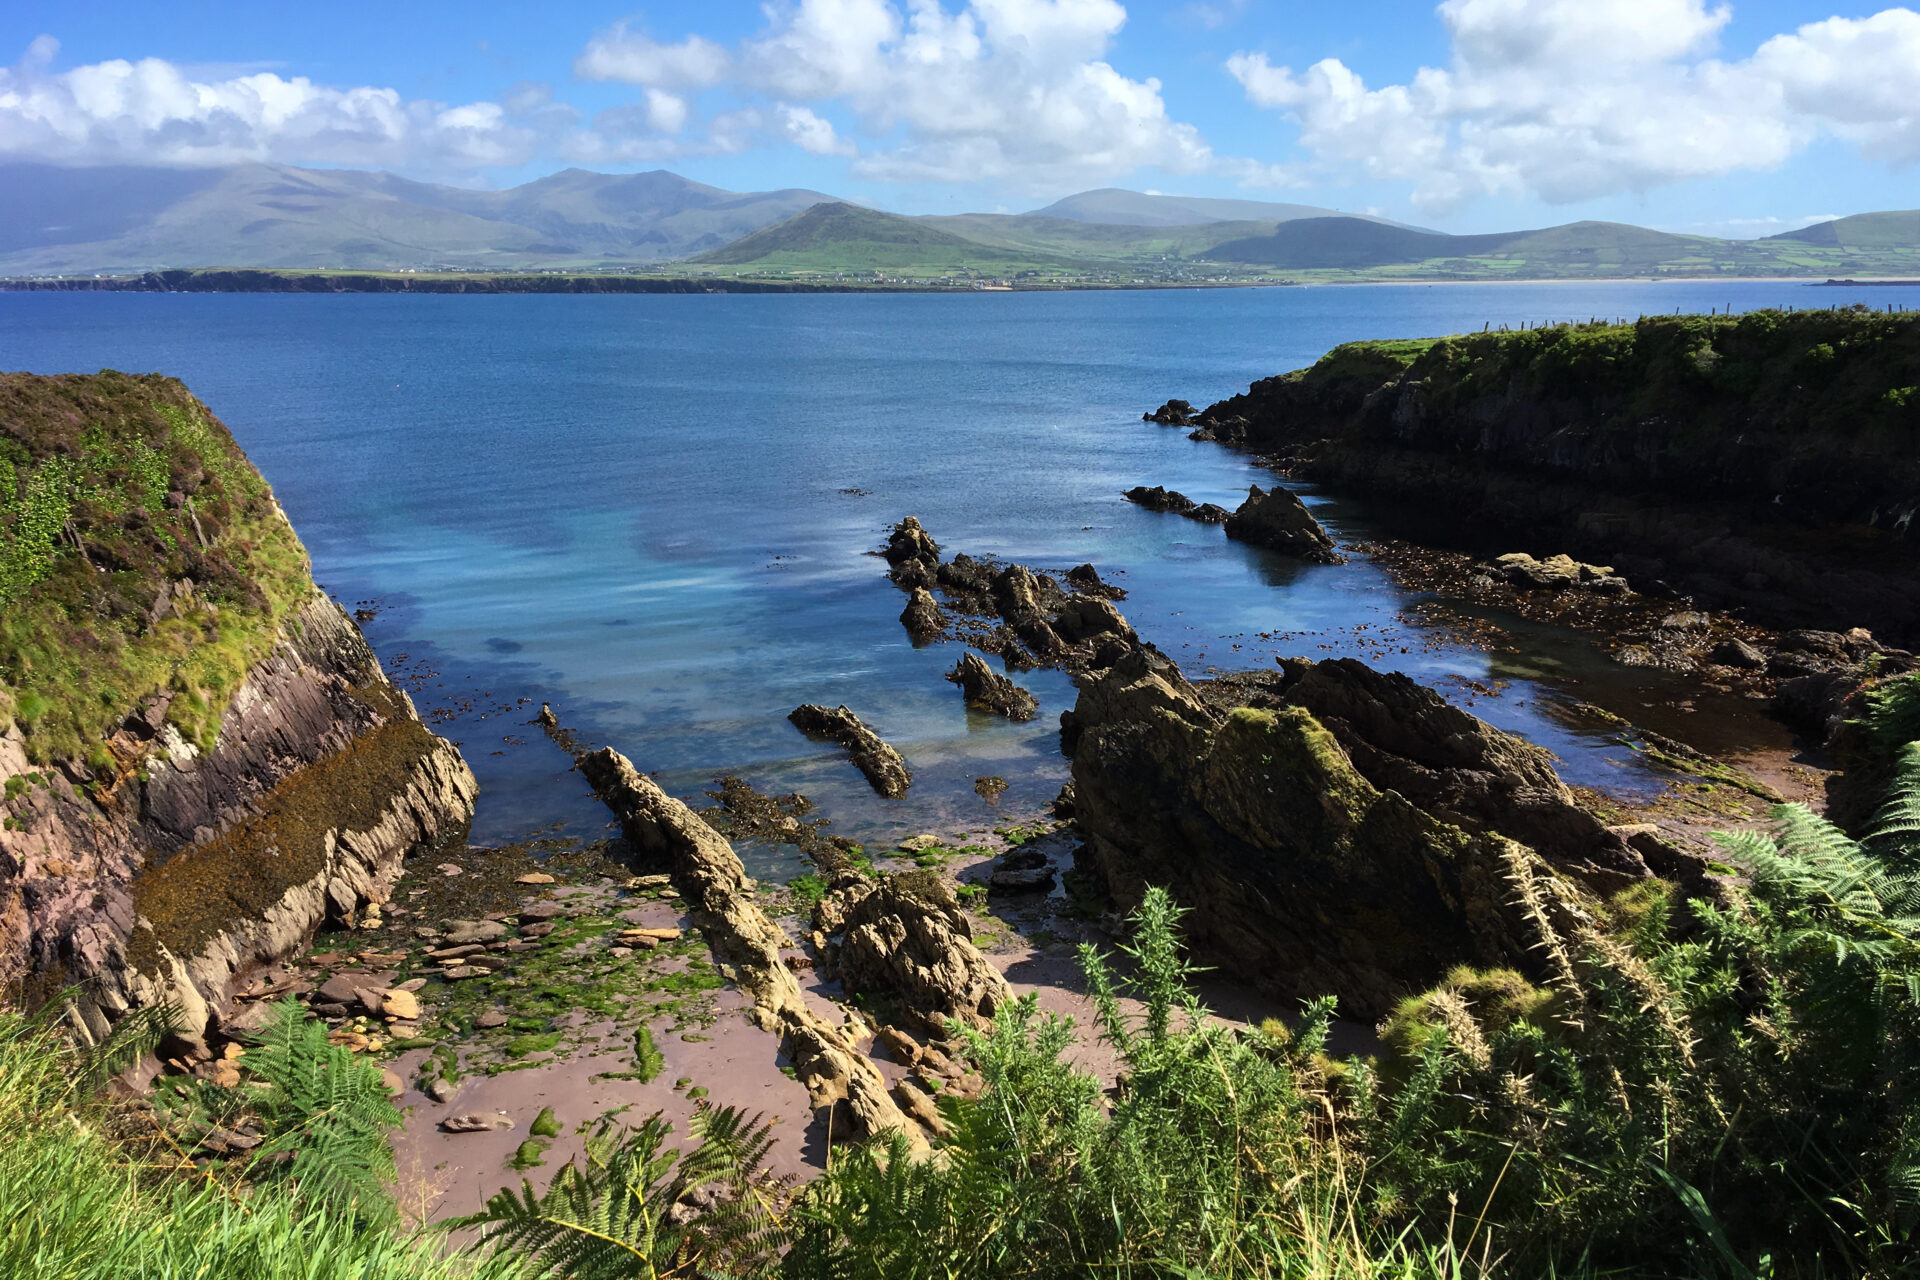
<point>659,513</point>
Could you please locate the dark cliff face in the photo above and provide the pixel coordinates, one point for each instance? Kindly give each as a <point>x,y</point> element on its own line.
<point>1769,460</point>
<point>192,785</point>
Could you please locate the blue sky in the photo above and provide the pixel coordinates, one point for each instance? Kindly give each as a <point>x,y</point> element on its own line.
<point>1736,119</point>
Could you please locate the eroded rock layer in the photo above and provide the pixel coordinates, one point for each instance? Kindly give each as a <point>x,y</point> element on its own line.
<point>175,872</point>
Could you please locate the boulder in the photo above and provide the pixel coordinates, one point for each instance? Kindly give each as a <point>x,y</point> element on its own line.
<point>1302,873</point>
<point>923,617</point>
<point>1279,521</point>
<point>1086,617</point>
<point>1174,413</point>
<point>884,768</point>
<point>987,690</point>
<point>1736,652</point>
<point>905,938</point>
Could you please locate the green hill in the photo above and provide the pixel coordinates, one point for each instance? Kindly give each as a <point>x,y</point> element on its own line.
<point>842,237</point>
<point>1113,206</point>
<point>1061,237</point>
<point>1353,244</point>
<point>1862,232</point>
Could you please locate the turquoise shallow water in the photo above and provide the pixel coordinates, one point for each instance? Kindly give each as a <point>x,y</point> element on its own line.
<point>637,508</point>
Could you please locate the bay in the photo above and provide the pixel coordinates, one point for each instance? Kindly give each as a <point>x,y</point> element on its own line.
<point>656,512</point>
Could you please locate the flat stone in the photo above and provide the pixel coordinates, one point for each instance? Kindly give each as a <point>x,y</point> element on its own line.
<point>401,1004</point>
<point>1028,880</point>
<point>450,869</point>
<point>454,953</point>
<point>460,972</point>
<point>540,930</point>
<point>490,1019</point>
<point>534,877</point>
<point>537,911</point>
<point>395,1085</point>
<point>649,882</point>
<point>463,932</point>
<point>343,989</point>
<point>411,984</point>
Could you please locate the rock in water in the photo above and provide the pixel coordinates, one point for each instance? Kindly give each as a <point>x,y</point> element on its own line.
<point>923,617</point>
<point>913,557</point>
<point>1159,499</point>
<point>746,944</point>
<point>905,937</point>
<point>1277,520</point>
<point>884,768</point>
<point>1302,871</point>
<point>991,692</point>
<point>1174,413</point>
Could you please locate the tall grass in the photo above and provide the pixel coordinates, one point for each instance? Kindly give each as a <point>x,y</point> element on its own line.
<point>91,1192</point>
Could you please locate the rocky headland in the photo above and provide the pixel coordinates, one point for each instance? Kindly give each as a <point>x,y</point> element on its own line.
<point>1762,462</point>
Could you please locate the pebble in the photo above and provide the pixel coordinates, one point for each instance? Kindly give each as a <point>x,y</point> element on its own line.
<point>450,869</point>
<point>534,877</point>
<point>490,1019</point>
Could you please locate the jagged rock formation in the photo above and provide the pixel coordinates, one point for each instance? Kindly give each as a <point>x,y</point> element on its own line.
<point>1174,413</point>
<point>904,939</point>
<point>1086,579</point>
<point>913,557</point>
<point>1039,622</point>
<point>745,943</point>
<point>1176,503</point>
<point>1333,829</point>
<point>1557,573</point>
<point>987,690</point>
<point>1721,455</point>
<point>882,765</point>
<point>1279,521</point>
<point>228,767</point>
<point>923,617</point>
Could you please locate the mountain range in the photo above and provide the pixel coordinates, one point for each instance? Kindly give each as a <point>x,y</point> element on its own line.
<point>73,221</point>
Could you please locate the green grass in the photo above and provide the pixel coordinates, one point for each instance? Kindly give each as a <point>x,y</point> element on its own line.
<point>114,489</point>
<point>89,1192</point>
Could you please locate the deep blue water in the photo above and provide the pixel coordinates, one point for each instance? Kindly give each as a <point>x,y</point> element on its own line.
<point>635,507</point>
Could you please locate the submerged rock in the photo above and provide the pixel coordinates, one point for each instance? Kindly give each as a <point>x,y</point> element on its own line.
<point>1279,521</point>
<point>988,691</point>
<point>1176,503</point>
<point>882,765</point>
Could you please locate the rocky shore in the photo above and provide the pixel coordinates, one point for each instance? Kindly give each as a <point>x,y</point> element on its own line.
<point>1761,462</point>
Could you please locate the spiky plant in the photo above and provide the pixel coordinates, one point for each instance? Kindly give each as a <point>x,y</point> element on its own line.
<point>634,1210</point>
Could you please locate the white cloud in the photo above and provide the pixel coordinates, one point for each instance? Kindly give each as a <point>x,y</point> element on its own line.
<point>620,53</point>
<point>1017,91</point>
<point>1572,99</point>
<point>151,112</point>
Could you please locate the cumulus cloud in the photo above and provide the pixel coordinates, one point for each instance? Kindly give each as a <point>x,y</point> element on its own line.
<point>1572,99</point>
<point>152,112</point>
<point>1018,91</point>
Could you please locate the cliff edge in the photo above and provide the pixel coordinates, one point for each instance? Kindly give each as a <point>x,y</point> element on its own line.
<point>202,759</point>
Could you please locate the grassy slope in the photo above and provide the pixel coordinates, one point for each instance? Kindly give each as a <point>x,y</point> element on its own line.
<point>844,237</point>
<point>114,489</point>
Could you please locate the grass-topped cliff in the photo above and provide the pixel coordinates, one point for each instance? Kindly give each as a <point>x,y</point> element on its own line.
<point>1769,459</point>
<point>140,553</point>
